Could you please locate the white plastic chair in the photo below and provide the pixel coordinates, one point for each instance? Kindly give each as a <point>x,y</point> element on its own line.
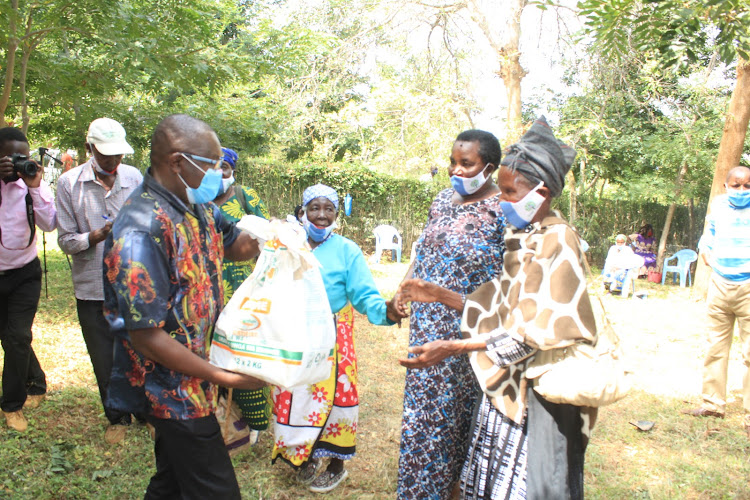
<point>387,238</point>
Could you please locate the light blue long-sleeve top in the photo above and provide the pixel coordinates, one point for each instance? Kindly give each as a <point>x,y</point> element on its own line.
<point>727,240</point>
<point>348,279</point>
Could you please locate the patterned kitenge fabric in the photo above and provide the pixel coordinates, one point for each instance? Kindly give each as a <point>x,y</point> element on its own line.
<point>645,247</point>
<point>162,269</point>
<point>255,405</point>
<point>460,248</point>
<point>321,420</point>
<point>495,467</point>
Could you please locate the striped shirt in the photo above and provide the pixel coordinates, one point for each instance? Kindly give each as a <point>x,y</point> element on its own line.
<point>81,203</point>
<point>726,240</point>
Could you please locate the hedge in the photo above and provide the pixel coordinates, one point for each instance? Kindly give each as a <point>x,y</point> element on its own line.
<point>403,203</point>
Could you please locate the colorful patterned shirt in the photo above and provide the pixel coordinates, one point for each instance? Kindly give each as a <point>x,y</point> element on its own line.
<point>162,269</point>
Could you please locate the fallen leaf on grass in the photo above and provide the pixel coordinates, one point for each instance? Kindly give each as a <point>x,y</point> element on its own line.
<point>643,425</point>
<point>100,474</point>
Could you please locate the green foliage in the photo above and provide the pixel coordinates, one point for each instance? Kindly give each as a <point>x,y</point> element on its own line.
<point>600,220</point>
<point>681,32</point>
<point>377,198</point>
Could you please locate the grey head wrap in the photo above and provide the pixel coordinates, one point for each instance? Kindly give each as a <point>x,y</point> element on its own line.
<point>540,157</point>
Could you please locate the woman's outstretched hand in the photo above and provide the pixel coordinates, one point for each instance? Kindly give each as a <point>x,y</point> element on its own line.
<point>430,353</point>
<point>417,290</point>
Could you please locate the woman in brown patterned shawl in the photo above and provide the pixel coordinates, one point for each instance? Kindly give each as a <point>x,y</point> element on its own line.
<point>523,446</point>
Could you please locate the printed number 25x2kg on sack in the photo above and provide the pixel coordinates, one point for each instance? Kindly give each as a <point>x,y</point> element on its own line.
<point>278,325</point>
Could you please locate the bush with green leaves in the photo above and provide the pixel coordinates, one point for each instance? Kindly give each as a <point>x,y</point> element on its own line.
<point>376,198</point>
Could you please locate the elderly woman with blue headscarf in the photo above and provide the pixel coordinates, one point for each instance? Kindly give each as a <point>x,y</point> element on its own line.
<point>235,201</point>
<point>522,445</point>
<point>320,420</point>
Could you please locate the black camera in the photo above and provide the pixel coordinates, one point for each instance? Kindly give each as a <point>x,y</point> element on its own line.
<point>24,166</point>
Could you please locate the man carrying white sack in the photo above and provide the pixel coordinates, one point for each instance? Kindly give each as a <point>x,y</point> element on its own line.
<point>162,294</point>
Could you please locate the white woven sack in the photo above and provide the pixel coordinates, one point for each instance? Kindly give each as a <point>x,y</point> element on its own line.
<point>278,325</point>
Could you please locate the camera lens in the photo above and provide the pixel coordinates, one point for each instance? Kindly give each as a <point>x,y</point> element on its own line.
<point>23,165</point>
<point>29,168</point>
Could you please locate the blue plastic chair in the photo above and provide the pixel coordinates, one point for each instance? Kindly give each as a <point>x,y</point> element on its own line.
<point>684,258</point>
<point>387,238</point>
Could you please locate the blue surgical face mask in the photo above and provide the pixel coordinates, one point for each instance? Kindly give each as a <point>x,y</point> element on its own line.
<point>209,187</point>
<point>520,213</point>
<point>469,185</point>
<point>739,198</point>
<point>317,234</point>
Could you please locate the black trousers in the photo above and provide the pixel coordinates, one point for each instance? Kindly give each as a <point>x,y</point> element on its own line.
<point>99,343</point>
<point>191,461</point>
<point>19,299</point>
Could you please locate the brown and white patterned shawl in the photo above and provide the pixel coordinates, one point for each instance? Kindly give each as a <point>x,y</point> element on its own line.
<point>540,299</point>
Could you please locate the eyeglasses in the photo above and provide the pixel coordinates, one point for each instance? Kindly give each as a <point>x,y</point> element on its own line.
<point>216,163</point>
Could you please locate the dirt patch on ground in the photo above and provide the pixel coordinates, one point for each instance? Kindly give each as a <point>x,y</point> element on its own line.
<point>664,337</point>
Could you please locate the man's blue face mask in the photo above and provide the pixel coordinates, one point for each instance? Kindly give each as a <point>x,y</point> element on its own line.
<point>739,198</point>
<point>210,184</point>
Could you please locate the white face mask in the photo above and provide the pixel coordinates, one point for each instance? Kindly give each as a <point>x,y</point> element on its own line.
<point>99,169</point>
<point>520,213</point>
<point>469,185</point>
<point>226,183</point>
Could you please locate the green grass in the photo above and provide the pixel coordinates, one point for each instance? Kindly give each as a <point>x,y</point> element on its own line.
<point>63,455</point>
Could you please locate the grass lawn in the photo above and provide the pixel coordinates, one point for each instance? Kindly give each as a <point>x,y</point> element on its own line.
<point>63,454</point>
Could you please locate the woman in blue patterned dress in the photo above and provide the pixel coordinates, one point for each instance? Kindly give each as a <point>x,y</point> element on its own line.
<point>460,248</point>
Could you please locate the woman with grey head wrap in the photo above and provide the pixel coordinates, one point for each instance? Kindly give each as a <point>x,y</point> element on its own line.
<point>539,157</point>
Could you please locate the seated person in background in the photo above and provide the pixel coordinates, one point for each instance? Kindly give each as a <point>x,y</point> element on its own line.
<point>644,244</point>
<point>619,259</point>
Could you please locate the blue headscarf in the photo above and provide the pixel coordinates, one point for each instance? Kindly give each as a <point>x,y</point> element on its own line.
<point>320,191</point>
<point>230,157</point>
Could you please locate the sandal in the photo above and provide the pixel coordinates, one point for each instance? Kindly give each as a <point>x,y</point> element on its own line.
<point>306,473</point>
<point>327,481</point>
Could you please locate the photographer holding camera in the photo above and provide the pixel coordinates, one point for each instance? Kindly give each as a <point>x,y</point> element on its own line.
<point>26,201</point>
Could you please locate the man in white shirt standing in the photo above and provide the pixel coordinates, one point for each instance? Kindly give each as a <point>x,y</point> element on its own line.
<point>26,201</point>
<point>89,198</point>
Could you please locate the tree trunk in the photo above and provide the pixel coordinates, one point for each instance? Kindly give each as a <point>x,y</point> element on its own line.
<point>691,224</point>
<point>10,62</point>
<point>670,215</point>
<point>573,211</point>
<point>665,236</point>
<point>509,57</point>
<point>26,52</point>
<point>511,71</point>
<point>730,151</point>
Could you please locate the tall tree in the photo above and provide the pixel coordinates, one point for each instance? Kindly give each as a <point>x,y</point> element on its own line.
<point>679,32</point>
